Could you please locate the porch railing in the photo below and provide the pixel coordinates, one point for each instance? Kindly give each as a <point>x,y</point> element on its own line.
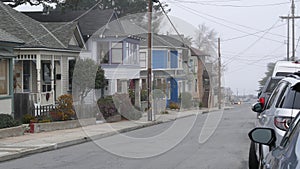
<point>43,99</point>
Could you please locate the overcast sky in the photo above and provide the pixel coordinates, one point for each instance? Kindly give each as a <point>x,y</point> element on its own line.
<point>251,32</point>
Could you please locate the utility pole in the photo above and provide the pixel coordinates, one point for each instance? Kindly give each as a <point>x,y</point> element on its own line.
<point>149,70</point>
<point>293,17</point>
<point>219,74</point>
<point>288,39</point>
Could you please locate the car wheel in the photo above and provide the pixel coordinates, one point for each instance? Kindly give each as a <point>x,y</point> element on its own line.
<point>260,161</point>
<point>253,162</point>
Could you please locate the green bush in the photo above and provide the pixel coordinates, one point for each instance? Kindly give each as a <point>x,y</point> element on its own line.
<point>200,105</point>
<point>64,109</point>
<point>186,100</point>
<point>144,95</point>
<point>27,118</point>
<point>164,112</point>
<point>7,121</point>
<point>173,105</point>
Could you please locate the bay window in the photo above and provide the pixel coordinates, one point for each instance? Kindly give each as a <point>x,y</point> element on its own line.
<point>4,77</point>
<point>117,52</point>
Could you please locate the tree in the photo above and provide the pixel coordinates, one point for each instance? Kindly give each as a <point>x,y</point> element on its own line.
<point>15,3</point>
<point>206,39</point>
<point>268,73</point>
<point>87,75</point>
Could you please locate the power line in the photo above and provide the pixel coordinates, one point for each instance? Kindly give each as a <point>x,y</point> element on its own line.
<point>251,45</point>
<point>251,63</point>
<point>193,11</point>
<point>235,6</point>
<point>250,34</point>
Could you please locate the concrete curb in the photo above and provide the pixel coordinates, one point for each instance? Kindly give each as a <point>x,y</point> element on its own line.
<point>83,140</point>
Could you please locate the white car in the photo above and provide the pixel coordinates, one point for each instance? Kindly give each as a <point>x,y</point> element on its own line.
<point>283,68</point>
<point>282,106</point>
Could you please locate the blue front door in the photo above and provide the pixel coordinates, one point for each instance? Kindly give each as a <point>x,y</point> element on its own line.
<point>173,91</point>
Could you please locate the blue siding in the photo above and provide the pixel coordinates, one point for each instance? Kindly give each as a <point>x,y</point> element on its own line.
<point>159,59</point>
<point>174,59</point>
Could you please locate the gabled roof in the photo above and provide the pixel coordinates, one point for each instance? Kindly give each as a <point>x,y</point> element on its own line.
<point>32,32</point>
<point>89,21</point>
<point>162,41</point>
<point>7,37</point>
<point>64,31</point>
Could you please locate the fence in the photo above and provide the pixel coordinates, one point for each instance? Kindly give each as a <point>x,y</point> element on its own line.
<point>43,110</point>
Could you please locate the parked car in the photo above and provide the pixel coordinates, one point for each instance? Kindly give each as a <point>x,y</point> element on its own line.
<point>284,156</point>
<point>280,109</point>
<point>267,89</point>
<point>284,68</point>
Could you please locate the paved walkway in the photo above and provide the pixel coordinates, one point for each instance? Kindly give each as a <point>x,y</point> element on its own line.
<point>31,143</point>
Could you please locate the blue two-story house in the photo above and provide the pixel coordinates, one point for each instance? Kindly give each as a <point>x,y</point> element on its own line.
<point>167,66</point>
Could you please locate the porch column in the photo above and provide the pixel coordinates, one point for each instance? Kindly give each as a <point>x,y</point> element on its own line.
<point>38,70</point>
<point>52,77</point>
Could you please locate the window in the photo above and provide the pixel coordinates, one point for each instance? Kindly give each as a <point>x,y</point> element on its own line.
<point>143,59</point>
<point>4,77</point>
<point>46,72</point>
<point>274,95</point>
<point>179,60</point>
<point>290,99</point>
<point>144,84</point>
<point>122,86</point>
<point>117,52</point>
<point>103,52</point>
<point>131,54</point>
<point>71,70</point>
<point>26,76</point>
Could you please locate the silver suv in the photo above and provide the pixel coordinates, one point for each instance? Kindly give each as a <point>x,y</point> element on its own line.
<point>282,106</point>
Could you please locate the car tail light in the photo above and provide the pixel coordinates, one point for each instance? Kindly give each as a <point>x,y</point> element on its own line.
<point>262,100</point>
<point>282,123</point>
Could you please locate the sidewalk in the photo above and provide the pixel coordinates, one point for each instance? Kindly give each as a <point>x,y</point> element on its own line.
<point>16,147</point>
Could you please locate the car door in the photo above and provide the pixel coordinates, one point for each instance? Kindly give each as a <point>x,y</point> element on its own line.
<point>267,116</point>
<point>285,155</point>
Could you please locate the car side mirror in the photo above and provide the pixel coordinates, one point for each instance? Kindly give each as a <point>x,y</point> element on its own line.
<point>264,136</point>
<point>257,107</point>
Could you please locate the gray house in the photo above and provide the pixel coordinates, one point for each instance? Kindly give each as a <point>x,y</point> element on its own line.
<point>41,66</point>
<point>107,43</point>
<point>7,43</point>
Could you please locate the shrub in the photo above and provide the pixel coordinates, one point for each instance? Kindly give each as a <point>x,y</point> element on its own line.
<point>186,100</point>
<point>164,112</point>
<point>27,118</point>
<point>200,105</point>
<point>173,105</point>
<point>125,108</point>
<point>131,95</point>
<point>7,121</point>
<point>144,95</point>
<point>107,107</point>
<point>64,110</point>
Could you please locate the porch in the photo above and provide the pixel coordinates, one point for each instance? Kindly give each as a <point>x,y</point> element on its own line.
<point>44,76</point>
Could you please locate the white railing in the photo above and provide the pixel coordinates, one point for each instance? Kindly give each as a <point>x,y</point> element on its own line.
<point>42,99</point>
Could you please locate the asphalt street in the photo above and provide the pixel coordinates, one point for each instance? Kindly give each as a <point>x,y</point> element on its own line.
<point>215,140</point>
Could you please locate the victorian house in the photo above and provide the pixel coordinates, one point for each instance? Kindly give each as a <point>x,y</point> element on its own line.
<point>107,44</point>
<point>41,66</point>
